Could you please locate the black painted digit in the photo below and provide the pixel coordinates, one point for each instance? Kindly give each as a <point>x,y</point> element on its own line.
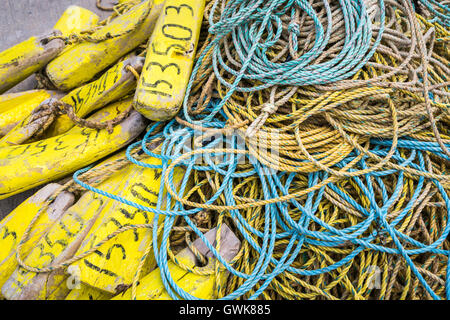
<point>103,83</point>
<point>157,174</point>
<point>77,99</point>
<point>97,252</point>
<point>116,73</point>
<point>131,215</point>
<point>24,149</point>
<point>115,222</point>
<point>66,229</point>
<point>9,234</point>
<point>59,143</point>
<point>63,243</point>
<point>42,253</point>
<point>88,94</point>
<point>138,195</point>
<point>119,226</point>
<point>98,269</point>
<point>156,83</point>
<point>87,133</point>
<point>158,93</point>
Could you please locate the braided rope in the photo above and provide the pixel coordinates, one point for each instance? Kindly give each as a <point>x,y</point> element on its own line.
<point>95,35</point>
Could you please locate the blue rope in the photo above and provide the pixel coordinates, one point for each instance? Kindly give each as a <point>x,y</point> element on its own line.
<point>298,233</point>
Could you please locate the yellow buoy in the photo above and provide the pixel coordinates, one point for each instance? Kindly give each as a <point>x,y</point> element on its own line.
<point>19,62</point>
<point>114,265</point>
<point>58,243</point>
<point>76,19</point>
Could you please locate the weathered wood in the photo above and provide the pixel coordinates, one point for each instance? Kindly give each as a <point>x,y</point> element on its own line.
<point>19,20</point>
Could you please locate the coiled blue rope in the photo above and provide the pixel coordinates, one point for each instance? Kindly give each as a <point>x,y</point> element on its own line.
<point>246,22</point>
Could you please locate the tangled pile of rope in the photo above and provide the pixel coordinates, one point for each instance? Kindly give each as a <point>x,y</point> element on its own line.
<point>320,132</point>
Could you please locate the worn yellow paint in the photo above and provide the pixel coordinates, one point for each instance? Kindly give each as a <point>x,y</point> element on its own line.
<point>19,106</point>
<point>12,228</point>
<point>76,19</point>
<point>83,61</point>
<point>85,292</point>
<point>8,101</point>
<point>125,1</point>
<point>114,84</point>
<point>24,59</point>
<point>58,244</point>
<point>26,166</point>
<point>170,58</point>
<point>151,287</point>
<point>114,265</point>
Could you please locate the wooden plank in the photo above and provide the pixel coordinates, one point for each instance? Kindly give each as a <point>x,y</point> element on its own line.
<point>19,20</point>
